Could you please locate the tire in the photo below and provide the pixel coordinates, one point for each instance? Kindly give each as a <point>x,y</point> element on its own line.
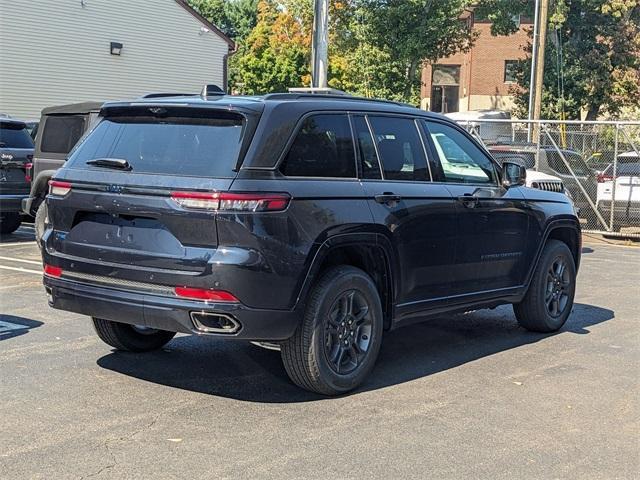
<point>128,338</point>
<point>41,221</point>
<point>9,222</point>
<point>549,300</point>
<point>344,305</point>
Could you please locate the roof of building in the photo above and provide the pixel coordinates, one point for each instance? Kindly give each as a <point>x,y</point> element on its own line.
<point>184,4</point>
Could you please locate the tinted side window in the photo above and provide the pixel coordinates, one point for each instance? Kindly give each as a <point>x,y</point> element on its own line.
<point>61,133</point>
<point>460,159</point>
<point>14,135</point>
<point>323,147</point>
<point>400,148</point>
<point>368,157</point>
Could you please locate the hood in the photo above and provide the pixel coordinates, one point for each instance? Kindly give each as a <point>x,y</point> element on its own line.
<point>536,176</point>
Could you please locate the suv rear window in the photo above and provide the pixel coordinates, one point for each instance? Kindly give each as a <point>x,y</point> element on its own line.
<point>14,135</point>
<point>203,146</point>
<point>61,133</point>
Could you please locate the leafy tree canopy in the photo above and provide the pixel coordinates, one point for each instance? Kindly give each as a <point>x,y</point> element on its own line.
<point>592,56</point>
<point>378,47</point>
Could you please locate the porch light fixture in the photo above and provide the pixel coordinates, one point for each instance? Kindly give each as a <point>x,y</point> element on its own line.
<point>116,48</point>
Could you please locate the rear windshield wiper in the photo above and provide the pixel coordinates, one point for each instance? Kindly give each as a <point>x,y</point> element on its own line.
<point>116,163</point>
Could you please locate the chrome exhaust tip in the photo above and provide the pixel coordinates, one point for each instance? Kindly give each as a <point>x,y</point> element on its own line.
<point>215,323</point>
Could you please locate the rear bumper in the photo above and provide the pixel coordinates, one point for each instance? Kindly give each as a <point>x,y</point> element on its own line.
<point>12,203</point>
<point>167,313</point>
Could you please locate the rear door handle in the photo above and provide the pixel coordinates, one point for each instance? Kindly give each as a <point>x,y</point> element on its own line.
<point>469,201</point>
<point>387,198</point>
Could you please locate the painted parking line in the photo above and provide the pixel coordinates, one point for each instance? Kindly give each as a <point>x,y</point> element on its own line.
<point>21,260</point>
<point>19,269</point>
<point>16,244</point>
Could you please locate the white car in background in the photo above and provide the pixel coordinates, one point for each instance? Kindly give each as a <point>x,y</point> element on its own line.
<point>627,190</point>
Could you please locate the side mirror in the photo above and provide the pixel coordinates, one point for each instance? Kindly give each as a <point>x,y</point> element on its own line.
<point>514,173</point>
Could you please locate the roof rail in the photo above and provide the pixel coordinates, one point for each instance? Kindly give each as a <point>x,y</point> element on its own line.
<point>319,96</point>
<point>167,94</point>
<point>318,91</point>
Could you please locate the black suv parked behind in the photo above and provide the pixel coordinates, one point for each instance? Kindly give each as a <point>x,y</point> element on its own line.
<point>58,131</point>
<point>16,154</point>
<point>312,221</point>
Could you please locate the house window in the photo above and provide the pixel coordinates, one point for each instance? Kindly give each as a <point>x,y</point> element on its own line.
<point>510,71</point>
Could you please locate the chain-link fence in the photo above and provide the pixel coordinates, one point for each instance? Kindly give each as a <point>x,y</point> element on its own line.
<point>597,162</point>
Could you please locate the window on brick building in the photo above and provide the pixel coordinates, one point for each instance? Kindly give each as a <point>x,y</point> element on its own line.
<point>510,71</point>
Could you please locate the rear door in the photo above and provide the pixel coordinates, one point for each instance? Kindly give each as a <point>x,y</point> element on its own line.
<point>16,150</point>
<point>418,215</point>
<point>492,221</point>
<point>137,197</point>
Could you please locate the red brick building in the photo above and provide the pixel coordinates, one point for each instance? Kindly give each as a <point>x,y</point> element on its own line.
<point>476,80</point>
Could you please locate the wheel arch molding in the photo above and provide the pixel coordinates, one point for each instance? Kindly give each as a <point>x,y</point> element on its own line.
<point>566,230</point>
<point>369,251</point>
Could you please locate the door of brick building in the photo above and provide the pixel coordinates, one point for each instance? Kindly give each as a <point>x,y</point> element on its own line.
<point>445,88</point>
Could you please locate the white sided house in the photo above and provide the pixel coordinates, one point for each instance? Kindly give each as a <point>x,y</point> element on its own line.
<point>55,52</point>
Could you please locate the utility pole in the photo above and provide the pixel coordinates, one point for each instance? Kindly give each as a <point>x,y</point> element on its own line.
<point>539,81</point>
<point>534,64</point>
<point>320,44</point>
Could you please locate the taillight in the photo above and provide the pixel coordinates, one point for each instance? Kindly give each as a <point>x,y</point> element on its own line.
<point>232,202</point>
<point>28,167</point>
<point>205,294</point>
<point>51,271</point>
<point>604,178</point>
<point>59,188</point>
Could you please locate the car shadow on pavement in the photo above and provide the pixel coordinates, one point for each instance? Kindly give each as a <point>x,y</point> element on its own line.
<point>12,326</point>
<point>18,237</point>
<point>246,372</point>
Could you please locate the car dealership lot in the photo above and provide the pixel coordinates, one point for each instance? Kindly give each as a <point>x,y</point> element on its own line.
<point>473,396</point>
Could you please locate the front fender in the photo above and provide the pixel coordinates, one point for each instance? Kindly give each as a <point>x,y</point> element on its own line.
<point>570,224</point>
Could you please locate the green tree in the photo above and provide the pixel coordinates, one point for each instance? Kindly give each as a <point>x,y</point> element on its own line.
<point>215,12</point>
<point>592,57</point>
<point>237,19</point>
<point>242,16</point>
<point>408,33</point>
<point>377,47</point>
<point>276,52</point>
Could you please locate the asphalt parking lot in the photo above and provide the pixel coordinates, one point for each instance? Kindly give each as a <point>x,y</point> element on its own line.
<point>470,396</point>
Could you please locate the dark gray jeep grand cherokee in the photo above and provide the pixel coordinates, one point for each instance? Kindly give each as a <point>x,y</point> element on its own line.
<point>316,222</point>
